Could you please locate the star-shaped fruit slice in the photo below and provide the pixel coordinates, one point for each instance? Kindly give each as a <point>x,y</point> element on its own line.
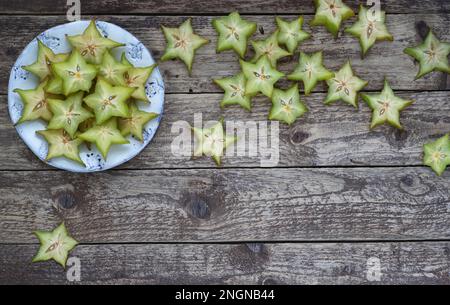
<point>286,105</point>
<point>91,44</point>
<point>260,76</point>
<point>234,33</point>
<point>54,85</point>
<point>137,78</point>
<point>182,43</point>
<point>135,123</point>
<point>112,70</point>
<point>212,141</point>
<point>41,67</point>
<point>369,28</point>
<point>331,13</point>
<point>310,70</point>
<point>432,55</point>
<point>290,33</point>
<point>55,245</point>
<point>60,144</point>
<point>386,107</point>
<point>269,47</point>
<point>68,114</point>
<point>104,135</point>
<point>75,73</point>
<point>35,103</point>
<point>108,101</point>
<point>437,154</point>
<point>345,86</point>
<point>234,88</point>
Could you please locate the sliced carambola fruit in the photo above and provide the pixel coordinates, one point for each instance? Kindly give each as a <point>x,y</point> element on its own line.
<point>437,154</point>
<point>260,76</point>
<point>212,141</point>
<point>91,44</point>
<point>112,70</point>
<point>75,73</point>
<point>310,70</point>
<point>54,85</point>
<point>61,144</point>
<point>234,88</point>
<point>345,86</point>
<point>331,13</point>
<point>286,105</point>
<point>137,78</point>
<point>386,107</point>
<point>290,33</point>
<point>55,245</point>
<point>35,103</point>
<point>431,54</point>
<point>234,33</point>
<point>369,28</point>
<point>104,135</point>
<point>68,114</point>
<point>108,101</point>
<point>269,47</point>
<point>45,57</point>
<point>135,123</point>
<point>182,43</point>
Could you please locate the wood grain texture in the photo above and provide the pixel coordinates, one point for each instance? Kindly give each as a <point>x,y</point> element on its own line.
<point>228,205</point>
<point>386,59</point>
<point>343,263</point>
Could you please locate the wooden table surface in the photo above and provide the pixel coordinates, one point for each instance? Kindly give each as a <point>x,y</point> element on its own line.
<point>341,198</point>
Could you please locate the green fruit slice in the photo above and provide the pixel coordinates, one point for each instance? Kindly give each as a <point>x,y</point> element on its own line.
<point>104,135</point>
<point>269,47</point>
<point>91,44</point>
<point>35,103</point>
<point>260,76</point>
<point>68,114</point>
<point>61,145</point>
<point>386,107</point>
<point>212,141</point>
<point>182,43</point>
<point>310,70</point>
<point>234,88</point>
<point>331,13</point>
<point>55,245</point>
<point>75,73</point>
<point>108,101</point>
<point>345,86</point>
<point>286,105</point>
<point>437,154</point>
<point>54,85</point>
<point>369,29</point>
<point>137,78</point>
<point>112,70</point>
<point>432,55</point>
<point>135,123</point>
<point>291,34</point>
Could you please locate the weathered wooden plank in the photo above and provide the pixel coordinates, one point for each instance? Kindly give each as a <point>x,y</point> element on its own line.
<point>385,59</point>
<point>228,205</point>
<point>342,263</point>
<point>326,136</point>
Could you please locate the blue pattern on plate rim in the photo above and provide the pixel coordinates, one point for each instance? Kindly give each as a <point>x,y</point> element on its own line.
<point>50,41</point>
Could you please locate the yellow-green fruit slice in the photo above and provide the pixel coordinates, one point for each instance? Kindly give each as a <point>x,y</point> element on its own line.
<point>286,105</point>
<point>104,135</point>
<point>35,103</point>
<point>310,71</point>
<point>437,154</point>
<point>60,144</point>
<point>75,73</point>
<point>290,33</point>
<point>234,33</point>
<point>260,76</point>
<point>108,101</point>
<point>54,85</point>
<point>91,44</point>
<point>135,123</point>
<point>182,43</point>
<point>432,55</point>
<point>234,88</point>
<point>270,48</point>
<point>112,70</point>
<point>137,78</point>
<point>55,245</point>
<point>331,13</point>
<point>68,114</point>
<point>386,107</point>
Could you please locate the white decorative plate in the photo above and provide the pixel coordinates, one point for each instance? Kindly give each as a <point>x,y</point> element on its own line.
<point>55,39</point>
